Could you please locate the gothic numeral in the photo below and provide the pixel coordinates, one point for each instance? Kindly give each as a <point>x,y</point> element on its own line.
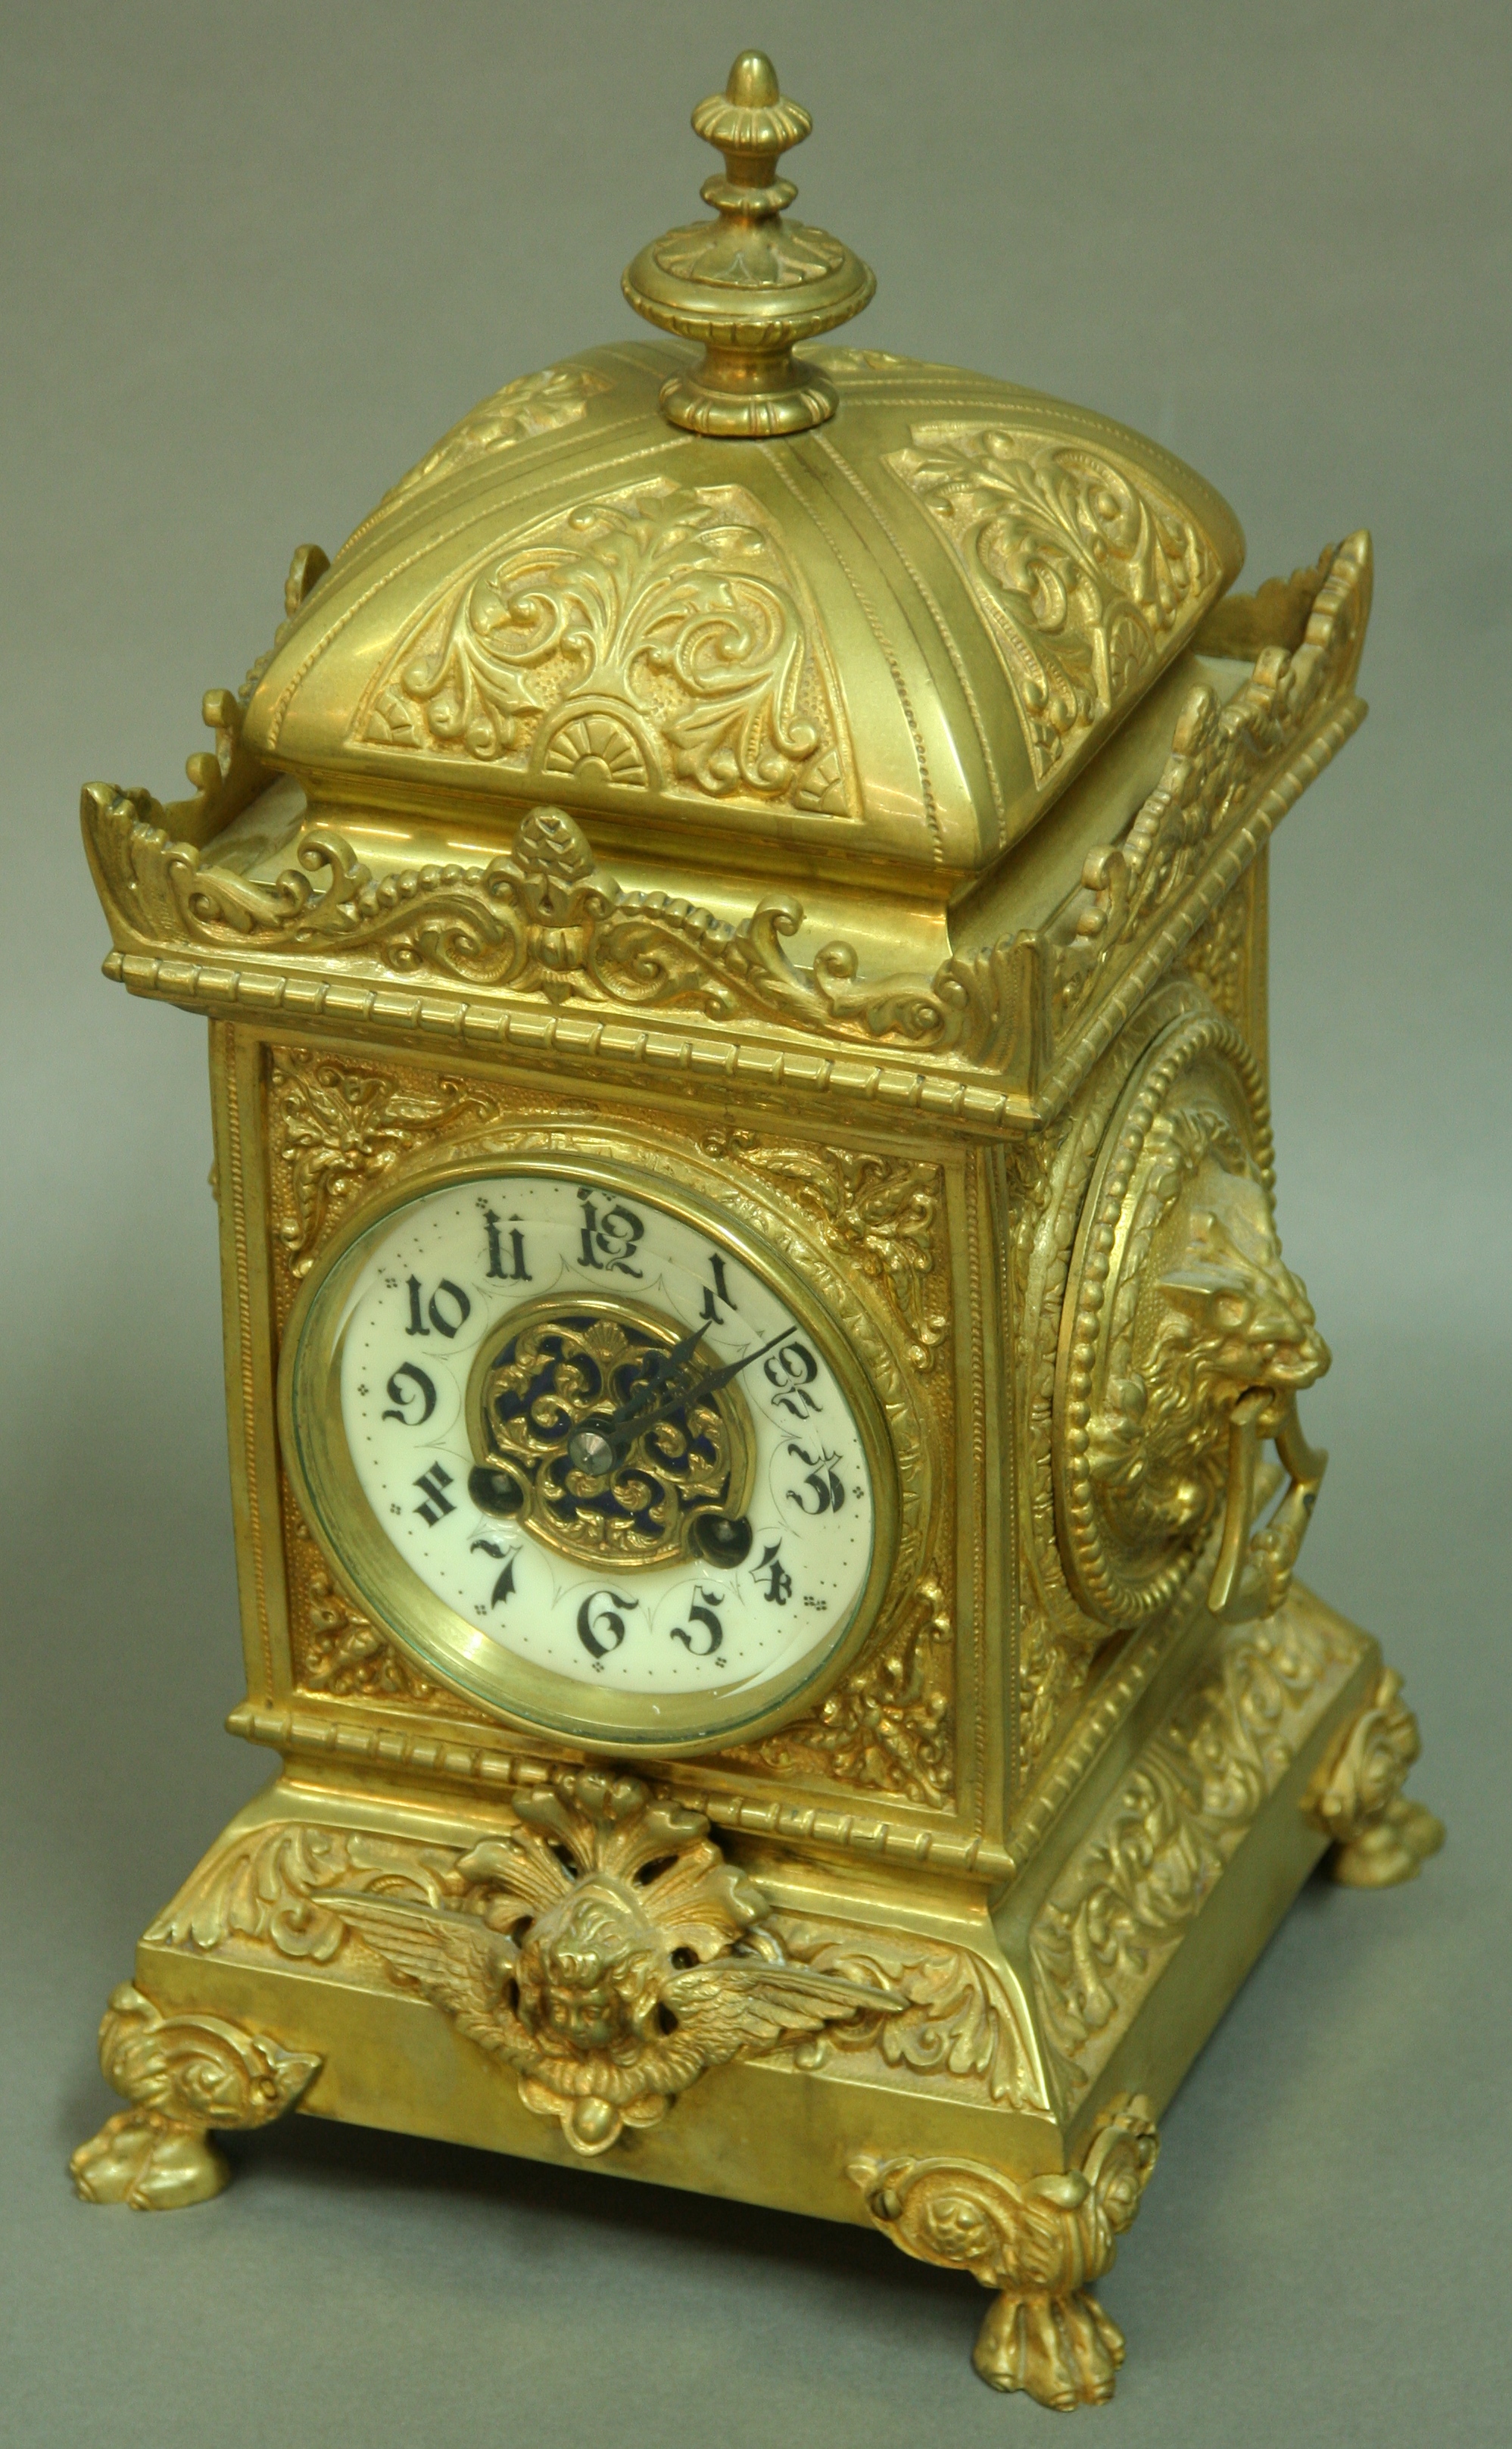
<point>402,1396</point>
<point>703,1643</point>
<point>504,1585</point>
<point>436,1503</point>
<point>446,1309</point>
<point>516,1272</point>
<point>601,1625</point>
<point>610,1240</point>
<point>823,1482</point>
<point>791,1372</point>
<point>777,1581</point>
<point>717,1297</point>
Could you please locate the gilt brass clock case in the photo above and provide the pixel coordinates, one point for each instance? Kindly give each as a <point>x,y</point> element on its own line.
<point>827,796</point>
<point>386,1587</point>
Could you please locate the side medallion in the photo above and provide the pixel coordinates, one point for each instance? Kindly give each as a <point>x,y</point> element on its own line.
<point>1185,1340</point>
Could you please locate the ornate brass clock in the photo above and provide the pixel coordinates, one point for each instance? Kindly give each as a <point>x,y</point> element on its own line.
<point>764,1391</point>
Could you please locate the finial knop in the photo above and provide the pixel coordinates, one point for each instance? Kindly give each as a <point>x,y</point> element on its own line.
<point>749,284</point>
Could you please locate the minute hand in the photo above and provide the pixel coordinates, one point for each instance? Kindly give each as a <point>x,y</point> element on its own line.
<point>600,1449</point>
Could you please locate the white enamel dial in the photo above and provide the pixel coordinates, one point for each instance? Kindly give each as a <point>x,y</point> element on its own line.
<point>601,1437</point>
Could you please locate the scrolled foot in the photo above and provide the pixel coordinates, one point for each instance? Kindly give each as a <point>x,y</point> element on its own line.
<point>1062,2350</point>
<point>184,2075</point>
<point>1040,2240</point>
<point>1380,1837</point>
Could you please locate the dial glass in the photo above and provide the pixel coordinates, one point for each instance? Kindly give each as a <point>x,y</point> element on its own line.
<point>599,1434</point>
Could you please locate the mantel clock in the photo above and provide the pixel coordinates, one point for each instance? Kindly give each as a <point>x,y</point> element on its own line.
<point>764,1391</point>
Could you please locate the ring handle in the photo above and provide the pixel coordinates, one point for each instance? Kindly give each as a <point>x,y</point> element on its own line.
<point>1254,1575</point>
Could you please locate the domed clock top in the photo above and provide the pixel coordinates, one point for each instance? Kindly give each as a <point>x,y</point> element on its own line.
<point>838,598</point>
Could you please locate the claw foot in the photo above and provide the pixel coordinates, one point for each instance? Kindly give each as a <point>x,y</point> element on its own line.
<point>1380,1837</point>
<point>1040,2240</point>
<point>1062,2350</point>
<point>141,2158</point>
<point>184,2075</point>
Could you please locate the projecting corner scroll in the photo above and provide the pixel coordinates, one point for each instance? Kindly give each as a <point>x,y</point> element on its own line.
<point>544,922</point>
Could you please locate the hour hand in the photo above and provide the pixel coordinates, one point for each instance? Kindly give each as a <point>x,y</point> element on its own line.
<point>599,1446</point>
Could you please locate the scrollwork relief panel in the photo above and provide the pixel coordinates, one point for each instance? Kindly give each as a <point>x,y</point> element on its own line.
<point>660,639</point>
<point>1136,1884</point>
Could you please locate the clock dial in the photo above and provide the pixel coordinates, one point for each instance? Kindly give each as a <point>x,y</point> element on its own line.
<point>602,1442</point>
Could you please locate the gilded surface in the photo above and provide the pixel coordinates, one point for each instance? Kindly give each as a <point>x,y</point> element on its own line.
<point>667,655</point>
<point>532,405</point>
<point>1217,755</point>
<point>882,1213</point>
<point>748,284</point>
<point>1083,571</point>
<point>184,2075</point>
<point>1054,1649</point>
<point>546,924</point>
<point>1180,1307</point>
<point>1380,1836</point>
<point>1221,956</point>
<point>561,1363</point>
<point>888,1725</point>
<point>336,1127</point>
<point>1041,2241</point>
<point>660,635</point>
<point>339,1130</point>
<point>917,2005</point>
<point>335,1648</point>
<point>602,1948</point>
<point>1133,1887</point>
<point>963,2022</point>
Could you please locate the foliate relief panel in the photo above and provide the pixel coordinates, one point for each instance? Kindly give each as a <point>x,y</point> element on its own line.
<point>656,641</point>
<point>1085,576</point>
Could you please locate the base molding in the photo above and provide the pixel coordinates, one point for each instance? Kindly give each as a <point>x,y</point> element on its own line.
<point>582,1970</point>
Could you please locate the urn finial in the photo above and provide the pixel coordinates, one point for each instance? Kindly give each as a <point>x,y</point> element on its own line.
<point>749,284</point>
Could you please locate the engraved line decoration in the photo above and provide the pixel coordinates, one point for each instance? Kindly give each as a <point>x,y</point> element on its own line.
<point>659,637</point>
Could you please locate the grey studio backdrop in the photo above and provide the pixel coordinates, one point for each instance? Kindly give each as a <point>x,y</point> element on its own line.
<point>257,257</point>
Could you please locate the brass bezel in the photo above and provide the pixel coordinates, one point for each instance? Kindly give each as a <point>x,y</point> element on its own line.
<point>534,1700</point>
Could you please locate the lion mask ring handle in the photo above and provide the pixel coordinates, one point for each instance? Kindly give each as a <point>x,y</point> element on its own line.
<point>1253,1572</point>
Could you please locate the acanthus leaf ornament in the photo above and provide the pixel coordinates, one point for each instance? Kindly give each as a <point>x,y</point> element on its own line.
<point>963,2020</point>
<point>888,1727</point>
<point>342,1129</point>
<point>543,921</point>
<point>1149,1865</point>
<point>1083,574</point>
<point>659,636</point>
<point>885,1212</point>
<point>339,1652</point>
<point>1041,2241</point>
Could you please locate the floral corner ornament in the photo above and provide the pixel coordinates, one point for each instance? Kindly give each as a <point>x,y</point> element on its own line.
<point>609,1953</point>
